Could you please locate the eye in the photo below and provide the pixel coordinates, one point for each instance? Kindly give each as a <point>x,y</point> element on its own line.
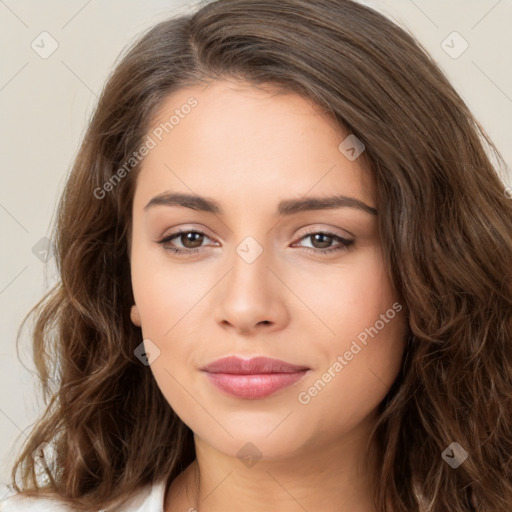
<point>324,239</point>
<point>192,242</point>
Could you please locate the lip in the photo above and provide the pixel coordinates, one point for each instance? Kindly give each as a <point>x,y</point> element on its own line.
<point>253,378</point>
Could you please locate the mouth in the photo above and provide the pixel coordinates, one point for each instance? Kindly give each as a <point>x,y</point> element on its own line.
<point>253,378</point>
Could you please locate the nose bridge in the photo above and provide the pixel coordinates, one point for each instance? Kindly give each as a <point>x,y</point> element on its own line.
<point>250,295</point>
<point>250,263</point>
<point>252,245</point>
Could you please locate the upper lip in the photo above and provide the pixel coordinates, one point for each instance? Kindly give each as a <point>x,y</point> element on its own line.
<point>255,365</point>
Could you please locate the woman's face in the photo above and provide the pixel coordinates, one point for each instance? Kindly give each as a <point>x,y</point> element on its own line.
<point>254,278</point>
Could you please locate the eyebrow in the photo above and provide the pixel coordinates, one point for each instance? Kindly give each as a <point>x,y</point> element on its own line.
<point>285,207</point>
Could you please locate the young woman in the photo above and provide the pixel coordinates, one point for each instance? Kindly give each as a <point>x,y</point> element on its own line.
<point>285,280</point>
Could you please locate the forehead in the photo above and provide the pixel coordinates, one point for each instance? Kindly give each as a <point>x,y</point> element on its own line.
<point>246,142</point>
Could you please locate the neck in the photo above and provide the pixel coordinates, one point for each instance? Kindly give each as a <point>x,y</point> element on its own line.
<point>328,475</point>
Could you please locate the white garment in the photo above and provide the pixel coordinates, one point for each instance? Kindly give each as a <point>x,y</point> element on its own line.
<point>148,499</point>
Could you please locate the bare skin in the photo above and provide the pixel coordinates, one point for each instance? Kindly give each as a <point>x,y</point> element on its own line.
<point>249,149</point>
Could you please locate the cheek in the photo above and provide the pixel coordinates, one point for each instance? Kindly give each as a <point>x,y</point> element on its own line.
<point>165,297</point>
<point>347,298</point>
<point>357,374</point>
<point>169,297</point>
<point>164,292</point>
<point>361,356</point>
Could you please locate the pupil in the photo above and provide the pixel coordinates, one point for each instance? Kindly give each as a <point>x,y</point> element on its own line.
<point>326,242</point>
<point>190,238</point>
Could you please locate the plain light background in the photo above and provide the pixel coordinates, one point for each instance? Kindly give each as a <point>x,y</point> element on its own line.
<point>45,104</point>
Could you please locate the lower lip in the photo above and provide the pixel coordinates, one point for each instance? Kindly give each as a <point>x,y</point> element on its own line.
<point>254,386</point>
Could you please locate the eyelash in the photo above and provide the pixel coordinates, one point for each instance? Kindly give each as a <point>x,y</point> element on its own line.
<point>345,244</point>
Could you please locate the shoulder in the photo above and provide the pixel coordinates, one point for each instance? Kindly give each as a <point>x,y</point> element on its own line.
<point>149,498</point>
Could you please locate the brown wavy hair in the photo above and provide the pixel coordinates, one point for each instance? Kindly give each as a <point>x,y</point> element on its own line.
<point>445,220</point>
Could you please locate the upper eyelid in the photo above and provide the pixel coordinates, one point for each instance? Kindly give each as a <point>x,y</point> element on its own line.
<point>180,231</point>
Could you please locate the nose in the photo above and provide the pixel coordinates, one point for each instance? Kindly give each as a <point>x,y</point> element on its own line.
<point>251,298</point>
